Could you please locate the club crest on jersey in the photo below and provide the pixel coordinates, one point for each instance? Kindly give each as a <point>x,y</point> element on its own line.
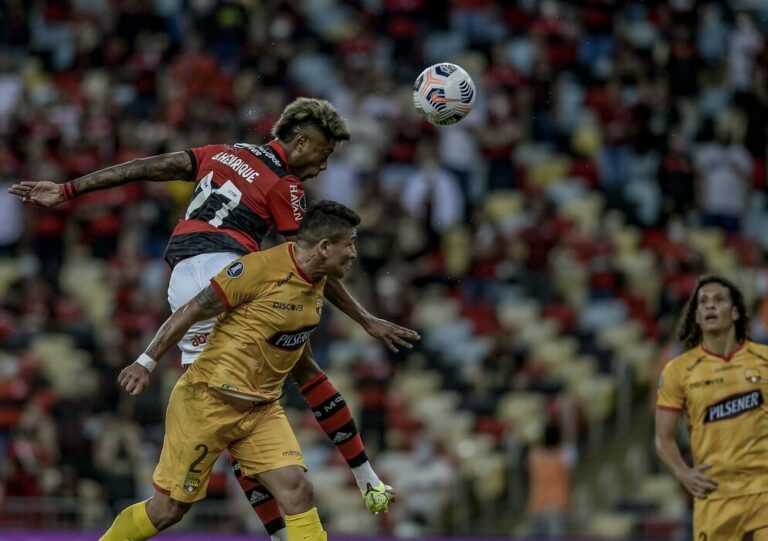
<point>191,485</point>
<point>752,375</point>
<point>235,269</point>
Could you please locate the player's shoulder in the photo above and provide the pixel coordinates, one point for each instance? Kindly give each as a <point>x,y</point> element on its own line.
<point>267,155</point>
<point>686,361</point>
<point>756,348</point>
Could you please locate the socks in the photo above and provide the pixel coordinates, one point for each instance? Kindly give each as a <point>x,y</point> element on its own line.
<point>262,502</point>
<point>132,524</point>
<point>305,527</point>
<point>334,417</point>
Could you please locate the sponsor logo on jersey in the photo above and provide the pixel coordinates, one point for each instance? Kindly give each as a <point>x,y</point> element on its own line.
<point>291,340</point>
<point>261,151</point>
<point>752,375</point>
<point>292,453</point>
<point>237,165</point>
<point>298,203</point>
<point>283,281</point>
<point>706,383</point>
<point>191,485</point>
<point>288,306</point>
<point>235,269</point>
<point>733,406</point>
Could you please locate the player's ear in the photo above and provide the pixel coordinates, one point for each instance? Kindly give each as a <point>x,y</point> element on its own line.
<point>323,247</point>
<point>299,140</point>
<point>735,315</point>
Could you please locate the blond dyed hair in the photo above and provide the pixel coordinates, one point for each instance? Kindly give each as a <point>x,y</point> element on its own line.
<point>304,112</point>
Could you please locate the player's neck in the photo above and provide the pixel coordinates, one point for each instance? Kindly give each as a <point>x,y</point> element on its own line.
<point>309,262</point>
<point>722,343</point>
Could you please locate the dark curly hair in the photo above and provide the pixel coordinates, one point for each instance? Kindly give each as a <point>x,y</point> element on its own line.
<point>690,332</point>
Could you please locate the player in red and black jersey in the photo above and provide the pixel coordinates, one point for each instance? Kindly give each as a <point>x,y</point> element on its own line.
<point>242,191</point>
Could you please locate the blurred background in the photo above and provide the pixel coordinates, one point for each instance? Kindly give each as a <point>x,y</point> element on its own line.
<point>543,246</point>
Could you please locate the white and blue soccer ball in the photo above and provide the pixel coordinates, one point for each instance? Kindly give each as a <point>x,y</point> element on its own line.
<point>444,94</point>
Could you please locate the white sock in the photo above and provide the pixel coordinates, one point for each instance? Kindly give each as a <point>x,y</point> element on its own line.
<point>280,535</point>
<point>364,474</point>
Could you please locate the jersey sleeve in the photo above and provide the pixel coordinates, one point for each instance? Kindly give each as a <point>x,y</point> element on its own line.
<point>670,395</point>
<point>287,204</point>
<point>241,281</point>
<point>199,154</point>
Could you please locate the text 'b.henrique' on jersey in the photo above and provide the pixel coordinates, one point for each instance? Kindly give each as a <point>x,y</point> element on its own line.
<point>724,404</point>
<point>273,307</point>
<point>242,191</point>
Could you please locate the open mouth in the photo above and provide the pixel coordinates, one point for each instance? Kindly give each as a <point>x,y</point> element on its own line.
<point>710,318</point>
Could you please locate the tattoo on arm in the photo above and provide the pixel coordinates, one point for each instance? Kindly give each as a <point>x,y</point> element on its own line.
<point>173,166</point>
<point>204,306</point>
<point>209,302</point>
<point>155,346</point>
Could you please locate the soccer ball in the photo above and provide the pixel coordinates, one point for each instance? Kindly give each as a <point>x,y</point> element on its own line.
<point>443,94</point>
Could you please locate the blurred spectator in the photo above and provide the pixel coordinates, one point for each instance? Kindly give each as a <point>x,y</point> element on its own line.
<point>549,492</point>
<point>724,169</point>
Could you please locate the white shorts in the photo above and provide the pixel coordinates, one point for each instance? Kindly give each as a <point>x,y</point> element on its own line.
<point>189,277</point>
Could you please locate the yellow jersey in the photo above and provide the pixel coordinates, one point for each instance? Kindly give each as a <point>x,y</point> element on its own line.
<point>273,307</point>
<point>723,399</point>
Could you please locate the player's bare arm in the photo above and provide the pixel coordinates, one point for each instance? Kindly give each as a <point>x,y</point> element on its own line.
<point>391,334</point>
<point>161,168</point>
<point>693,479</point>
<point>207,304</point>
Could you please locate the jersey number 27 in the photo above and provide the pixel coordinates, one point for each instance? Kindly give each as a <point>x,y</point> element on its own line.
<point>205,190</point>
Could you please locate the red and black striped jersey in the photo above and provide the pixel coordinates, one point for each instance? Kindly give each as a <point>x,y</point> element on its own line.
<point>242,191</point>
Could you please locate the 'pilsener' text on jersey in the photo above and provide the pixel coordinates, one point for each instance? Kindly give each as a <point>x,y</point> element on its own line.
<point>724,404</point>
<point>273,309</point>
<point>242,191</point>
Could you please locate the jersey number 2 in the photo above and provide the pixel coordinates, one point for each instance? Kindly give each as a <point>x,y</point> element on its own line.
<point>205,189</point>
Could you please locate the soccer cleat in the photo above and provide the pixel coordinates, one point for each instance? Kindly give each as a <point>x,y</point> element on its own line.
<point>377,498</point>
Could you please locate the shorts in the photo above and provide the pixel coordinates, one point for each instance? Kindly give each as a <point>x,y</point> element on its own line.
<point>201,422</point>
<point>729,519</point>
<point>189,277</point>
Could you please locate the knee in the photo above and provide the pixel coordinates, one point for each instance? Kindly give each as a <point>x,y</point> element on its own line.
<point>298,495</point>
<point>165,512</point>
<point>305,371</point>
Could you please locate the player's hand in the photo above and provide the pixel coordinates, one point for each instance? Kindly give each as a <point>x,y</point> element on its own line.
<point>41,193</point>
<point>134,379</point>
<point>378,498</point>
<point>697,483</point>
<point>392,335</point>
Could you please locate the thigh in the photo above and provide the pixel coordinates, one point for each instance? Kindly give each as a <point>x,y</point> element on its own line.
<point>190,277</point>
<point>197,425</point>
<point>757,521</point>
<point>270,443</point>
<point>305,368</point>
<point>719,520</point>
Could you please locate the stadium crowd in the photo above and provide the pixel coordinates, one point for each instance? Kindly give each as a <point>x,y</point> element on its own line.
<point>616,152</point>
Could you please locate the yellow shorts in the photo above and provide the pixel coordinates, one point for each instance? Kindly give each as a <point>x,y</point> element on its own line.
<point>201,422</point>
<point>729,519</point>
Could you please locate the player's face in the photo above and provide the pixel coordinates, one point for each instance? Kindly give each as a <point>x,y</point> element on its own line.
<point>310,154</point>
<point>715,312</point>
<point>340,255</point>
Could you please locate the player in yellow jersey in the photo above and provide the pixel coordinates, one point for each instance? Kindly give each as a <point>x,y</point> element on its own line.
<point>718,384</point>
<point>270,302</point>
